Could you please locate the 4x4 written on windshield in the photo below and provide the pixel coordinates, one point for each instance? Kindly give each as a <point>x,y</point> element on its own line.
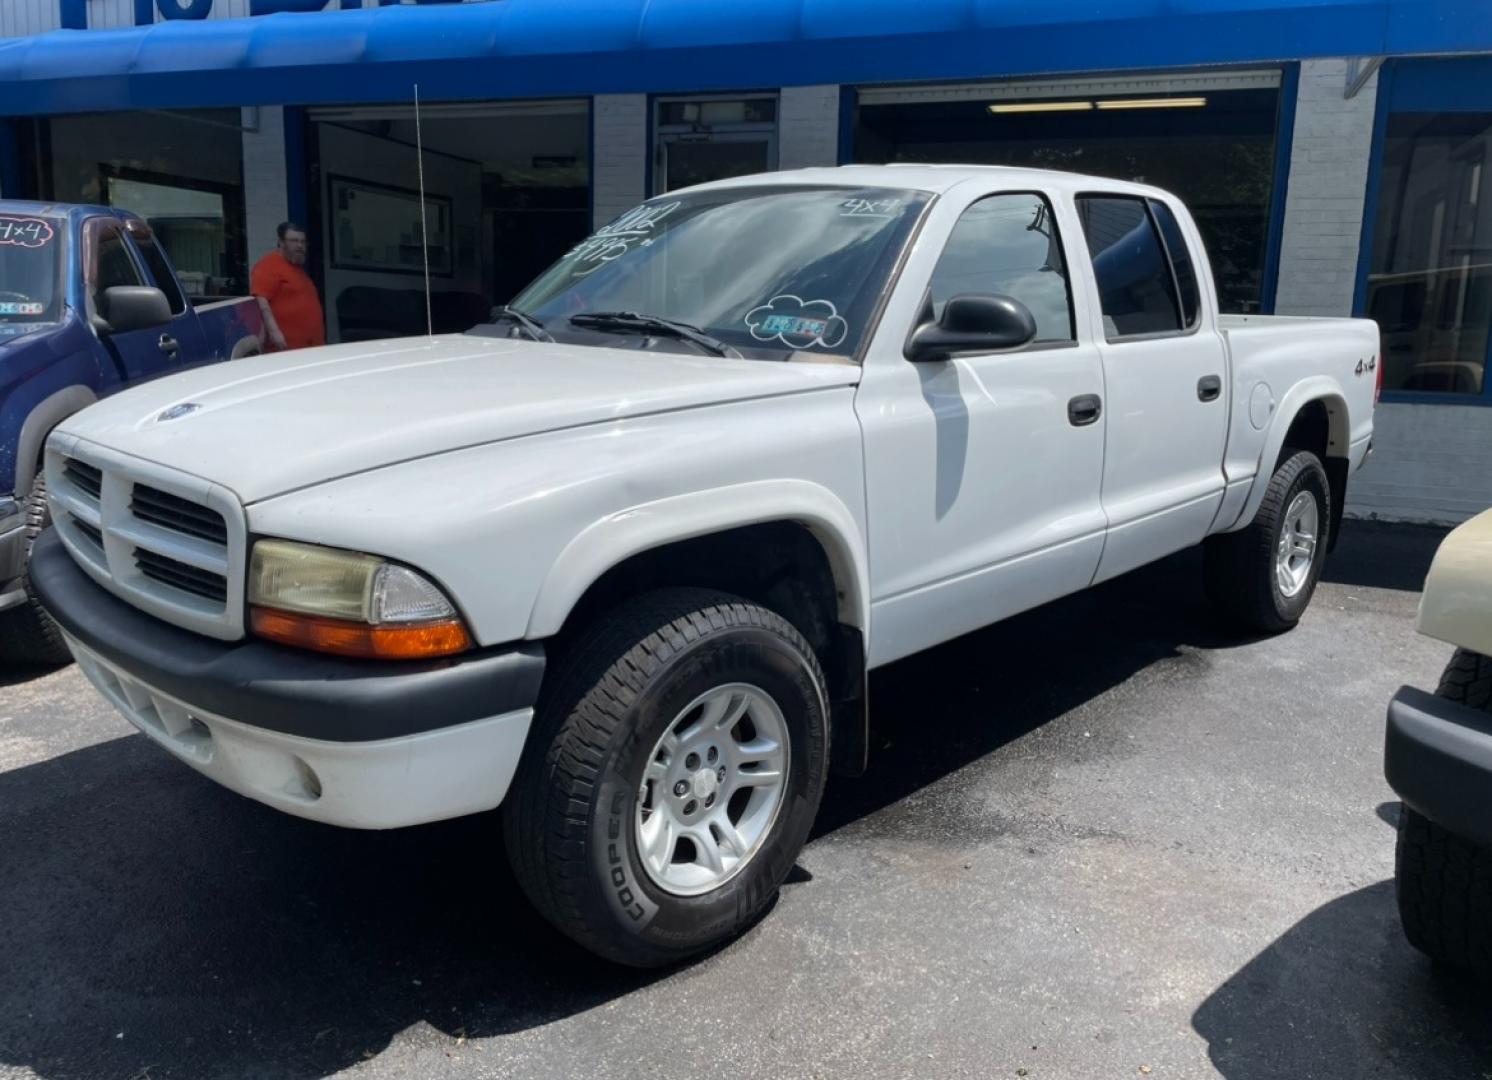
<point>755,272</point>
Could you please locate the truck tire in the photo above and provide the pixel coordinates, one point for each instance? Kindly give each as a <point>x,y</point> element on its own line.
<point>1444,883</point>
<point>27,633</point>
<point>672,776</point>
<point>1263,576</point>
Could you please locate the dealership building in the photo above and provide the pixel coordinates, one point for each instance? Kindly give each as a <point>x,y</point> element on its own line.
<point>1335,153</point>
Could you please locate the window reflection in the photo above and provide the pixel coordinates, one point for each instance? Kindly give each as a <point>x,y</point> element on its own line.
<point>1430,279</point>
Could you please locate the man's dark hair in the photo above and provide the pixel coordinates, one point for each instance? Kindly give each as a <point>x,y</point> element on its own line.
<point>289,226</point>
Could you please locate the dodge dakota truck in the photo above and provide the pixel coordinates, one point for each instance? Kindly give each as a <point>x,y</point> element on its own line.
<point>88,304</point>
<point>620,560</point>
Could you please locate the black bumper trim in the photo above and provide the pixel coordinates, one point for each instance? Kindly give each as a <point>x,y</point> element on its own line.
<point>12,548</point>
<point>278,688</point>
<point>1437,756</point>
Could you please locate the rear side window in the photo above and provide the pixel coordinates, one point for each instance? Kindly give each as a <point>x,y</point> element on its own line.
<point>1135,286</point>
<point>1008,245</point>
<point>165,280</point>
<point>1181,261</point>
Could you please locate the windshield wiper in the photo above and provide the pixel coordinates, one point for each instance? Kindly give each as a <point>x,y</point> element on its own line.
<point>531,327</point>
<point>652,324</point>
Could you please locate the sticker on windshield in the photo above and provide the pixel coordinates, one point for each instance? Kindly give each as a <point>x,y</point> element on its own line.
<point>797,323</point>
<point>21,309</point>
<point>25,231</point>
<point>869,207</point>
<point>632,229</point>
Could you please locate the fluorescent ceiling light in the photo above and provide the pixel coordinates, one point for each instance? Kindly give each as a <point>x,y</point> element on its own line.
<point>1154,103</point>
<point>1040,106</point>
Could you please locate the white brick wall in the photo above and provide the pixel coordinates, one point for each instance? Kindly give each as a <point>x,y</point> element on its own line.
<point>808,127</point>
<point>619,171</point>
<point>1430,463</point>
<point>1324,199</point>
<point>265,198</point>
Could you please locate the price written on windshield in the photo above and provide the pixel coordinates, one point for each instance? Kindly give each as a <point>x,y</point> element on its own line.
<point>25,232</point>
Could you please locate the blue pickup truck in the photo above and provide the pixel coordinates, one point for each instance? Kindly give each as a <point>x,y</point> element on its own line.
<point>89,304</point>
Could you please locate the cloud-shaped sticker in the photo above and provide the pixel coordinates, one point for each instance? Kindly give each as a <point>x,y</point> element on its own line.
<point>797,323</point>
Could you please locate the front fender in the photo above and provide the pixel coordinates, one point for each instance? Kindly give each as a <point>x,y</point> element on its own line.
<point>1321,388</point>
<point>617,537</point>
<point>1456,606</point>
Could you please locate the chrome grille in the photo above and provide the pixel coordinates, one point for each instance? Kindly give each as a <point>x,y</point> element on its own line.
<point>178,575</point>
<point>168,543</point>
<point>171,512</point>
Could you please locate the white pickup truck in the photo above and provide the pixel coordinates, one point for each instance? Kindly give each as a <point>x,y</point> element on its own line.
<point>620,560</point>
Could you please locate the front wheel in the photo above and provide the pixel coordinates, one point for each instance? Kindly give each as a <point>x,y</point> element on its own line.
<point>672,776</point>
<point>1264,575</point>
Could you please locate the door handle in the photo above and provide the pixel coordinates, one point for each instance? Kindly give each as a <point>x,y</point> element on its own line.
<point>1084,410</point>
<point>1209,388</point>
<point>169,345</point>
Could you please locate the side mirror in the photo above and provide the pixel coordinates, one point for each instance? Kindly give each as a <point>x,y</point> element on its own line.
<point>972,323</point>
<point>133,307</point>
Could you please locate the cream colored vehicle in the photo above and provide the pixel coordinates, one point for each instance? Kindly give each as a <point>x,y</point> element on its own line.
<point>1438,757</point>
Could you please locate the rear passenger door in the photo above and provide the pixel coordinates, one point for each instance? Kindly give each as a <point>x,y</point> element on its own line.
<point>1165,378</point>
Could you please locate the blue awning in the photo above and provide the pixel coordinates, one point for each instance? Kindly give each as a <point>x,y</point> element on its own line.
<point>549,48</point>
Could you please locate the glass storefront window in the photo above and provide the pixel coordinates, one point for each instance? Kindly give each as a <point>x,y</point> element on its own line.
<point>1216,154</point>
<point>180,171</point>
<point>1430,278</point>
<point>712,139</point>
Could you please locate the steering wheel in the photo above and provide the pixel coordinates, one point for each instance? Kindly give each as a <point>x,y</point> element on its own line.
<point>20,296</point>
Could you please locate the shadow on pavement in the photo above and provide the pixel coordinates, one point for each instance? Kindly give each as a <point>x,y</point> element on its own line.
<point>1342,994</point>
<point>1381,555</point>
<point>150,920</point>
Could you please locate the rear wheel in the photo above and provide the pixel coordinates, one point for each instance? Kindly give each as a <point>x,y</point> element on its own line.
<point>1444,883</point>
<point>672,776</point>
<point>1264,575</point>
<point>27,633</point>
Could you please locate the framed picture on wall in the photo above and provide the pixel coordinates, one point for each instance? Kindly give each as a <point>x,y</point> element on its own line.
<point>376,227</point>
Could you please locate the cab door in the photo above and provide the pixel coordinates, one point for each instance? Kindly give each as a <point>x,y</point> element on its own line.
<point>113,260</point>
<point>983,471</point>
<point>1165,369</point>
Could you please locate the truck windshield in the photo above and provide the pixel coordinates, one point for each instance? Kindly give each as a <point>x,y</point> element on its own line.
<point>30,279</point>
<point>761,272</point>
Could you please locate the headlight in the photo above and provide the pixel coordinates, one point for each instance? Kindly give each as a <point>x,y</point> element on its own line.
<point>348,603</point>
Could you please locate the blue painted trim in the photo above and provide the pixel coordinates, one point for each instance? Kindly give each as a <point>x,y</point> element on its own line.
<point>1412,397</point>
<point>849,105</point>
<point>74,14</point>
<point>1280,187</point>
<point>297,177</point>
<point>544,48</point>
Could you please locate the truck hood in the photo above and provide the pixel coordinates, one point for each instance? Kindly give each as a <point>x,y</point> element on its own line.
<point>271,424</point>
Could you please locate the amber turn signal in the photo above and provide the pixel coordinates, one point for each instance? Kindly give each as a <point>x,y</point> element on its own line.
<point>386,642</point>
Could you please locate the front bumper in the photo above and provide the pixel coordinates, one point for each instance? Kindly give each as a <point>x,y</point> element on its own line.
<point>365,744</point>
<point>1438,758</point>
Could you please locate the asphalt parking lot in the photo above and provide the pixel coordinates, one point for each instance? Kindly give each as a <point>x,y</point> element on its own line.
<point>1104,839</point>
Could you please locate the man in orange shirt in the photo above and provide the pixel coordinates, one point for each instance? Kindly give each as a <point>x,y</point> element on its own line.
<point>287,295</point>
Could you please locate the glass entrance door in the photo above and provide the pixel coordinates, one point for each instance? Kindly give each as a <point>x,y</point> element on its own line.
<point>1429,266</point>
<point>705,139</point>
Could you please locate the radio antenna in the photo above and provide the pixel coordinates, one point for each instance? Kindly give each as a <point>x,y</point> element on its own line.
<point>419,149</point>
